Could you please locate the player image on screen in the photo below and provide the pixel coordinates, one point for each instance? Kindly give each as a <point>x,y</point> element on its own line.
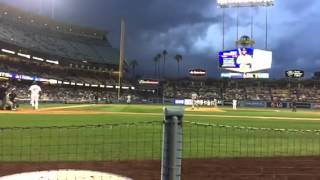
<point>244,60</point>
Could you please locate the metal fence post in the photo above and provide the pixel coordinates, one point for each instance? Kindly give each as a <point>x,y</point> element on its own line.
<point>172,144</point>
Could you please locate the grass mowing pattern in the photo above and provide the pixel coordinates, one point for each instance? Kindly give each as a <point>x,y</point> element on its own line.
<point>211,140</point>
<point>138,137</point>
<point>82,143</point>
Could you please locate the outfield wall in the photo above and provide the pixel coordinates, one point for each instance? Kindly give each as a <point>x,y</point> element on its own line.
<point>253,103</point>
<point>188,102</point>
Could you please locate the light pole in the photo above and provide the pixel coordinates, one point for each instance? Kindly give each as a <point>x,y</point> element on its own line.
<point>40,7</point>
<point>226,4</point>
<point>53,9</point>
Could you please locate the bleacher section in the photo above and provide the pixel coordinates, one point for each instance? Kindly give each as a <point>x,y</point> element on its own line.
<point>264,90</point>
<point>29,34</point>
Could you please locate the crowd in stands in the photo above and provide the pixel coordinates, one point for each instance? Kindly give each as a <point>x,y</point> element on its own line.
<point>268,90</point>
<point>174,90</point>
<point>67,94</point>
<point>62,73</point>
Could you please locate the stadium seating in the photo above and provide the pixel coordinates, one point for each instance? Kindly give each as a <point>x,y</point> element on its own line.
<point>245,90</point>
<point>32,36</point>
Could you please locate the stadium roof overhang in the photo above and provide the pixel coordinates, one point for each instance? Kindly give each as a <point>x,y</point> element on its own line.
<point>112,61</point>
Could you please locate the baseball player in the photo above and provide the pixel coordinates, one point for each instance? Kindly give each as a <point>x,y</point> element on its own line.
<point>35,94</point>
<point>12,99</point>
<point>129,99</point>
<point>234,104</point>
<point>215,102</point>
<point>194,97</point>
<point>9,102</point>
<point>3,91</point>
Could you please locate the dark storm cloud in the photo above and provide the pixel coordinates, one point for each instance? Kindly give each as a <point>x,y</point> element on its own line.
<point>152,25</point>
<point>193,28</point>
<point>299,6</point>
<point>295,38</point>
<point>163,24</point>
<point>161,15</point>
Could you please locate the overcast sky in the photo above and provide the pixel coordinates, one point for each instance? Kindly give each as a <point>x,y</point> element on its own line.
<point>193,29</point>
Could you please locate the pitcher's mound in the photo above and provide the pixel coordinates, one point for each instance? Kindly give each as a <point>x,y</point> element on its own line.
<point>203,109</point>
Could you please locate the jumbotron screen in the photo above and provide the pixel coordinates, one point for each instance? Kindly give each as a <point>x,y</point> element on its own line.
<point>245,60</point>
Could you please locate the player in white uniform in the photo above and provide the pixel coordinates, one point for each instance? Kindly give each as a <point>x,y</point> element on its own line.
<point>194,98</point>
<point>35,93</point>
<point>234,104</point>
<point>128,99</point>
<point>244,60</point>
<point>215,102</point>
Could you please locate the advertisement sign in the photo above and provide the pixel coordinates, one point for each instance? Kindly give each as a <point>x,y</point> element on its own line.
<point>188,102</point>
<point>294,73</point>
<point>315,106</point>
<point>245,60</point>
<point>302,105</point>
<point>197,72</point>
<point>148,82</point>
<point>179,101</point>
<point>254,104</point>
<point>246,75</point>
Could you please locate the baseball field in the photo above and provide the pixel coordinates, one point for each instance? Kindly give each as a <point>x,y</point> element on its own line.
<point>133,133</point>
<point>143,123</point>
<point>66,115</point>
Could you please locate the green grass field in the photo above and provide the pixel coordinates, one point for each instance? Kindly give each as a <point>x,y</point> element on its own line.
<point>125,132</point>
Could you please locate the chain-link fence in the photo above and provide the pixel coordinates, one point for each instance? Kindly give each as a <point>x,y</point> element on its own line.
<point>107,142</point>
<point>134,149</point>
<point>209,140</point>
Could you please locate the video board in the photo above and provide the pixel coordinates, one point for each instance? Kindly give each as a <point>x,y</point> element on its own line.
<point>245,60</point>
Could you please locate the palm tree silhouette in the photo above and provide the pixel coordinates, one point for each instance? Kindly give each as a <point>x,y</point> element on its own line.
<point>155,60</point>
<point>164,54</point>
<point>159,59</point>
<point>178,58</point>
<point>133,64</point>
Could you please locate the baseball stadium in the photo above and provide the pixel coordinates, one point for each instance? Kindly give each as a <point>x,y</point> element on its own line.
<point>73,106</point>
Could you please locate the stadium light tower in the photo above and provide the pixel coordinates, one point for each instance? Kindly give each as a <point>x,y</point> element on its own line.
<point>244,3</point>
<point>41,7</point>
<point>224,4</point>
<point>53,3</point>
<point>44,3</point>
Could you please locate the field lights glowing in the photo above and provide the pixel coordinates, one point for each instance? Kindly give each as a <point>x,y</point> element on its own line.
<point>244,3</point>
<point>7,51</point>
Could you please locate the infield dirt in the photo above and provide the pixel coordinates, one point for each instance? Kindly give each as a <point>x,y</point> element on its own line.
<point>209,169</point>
